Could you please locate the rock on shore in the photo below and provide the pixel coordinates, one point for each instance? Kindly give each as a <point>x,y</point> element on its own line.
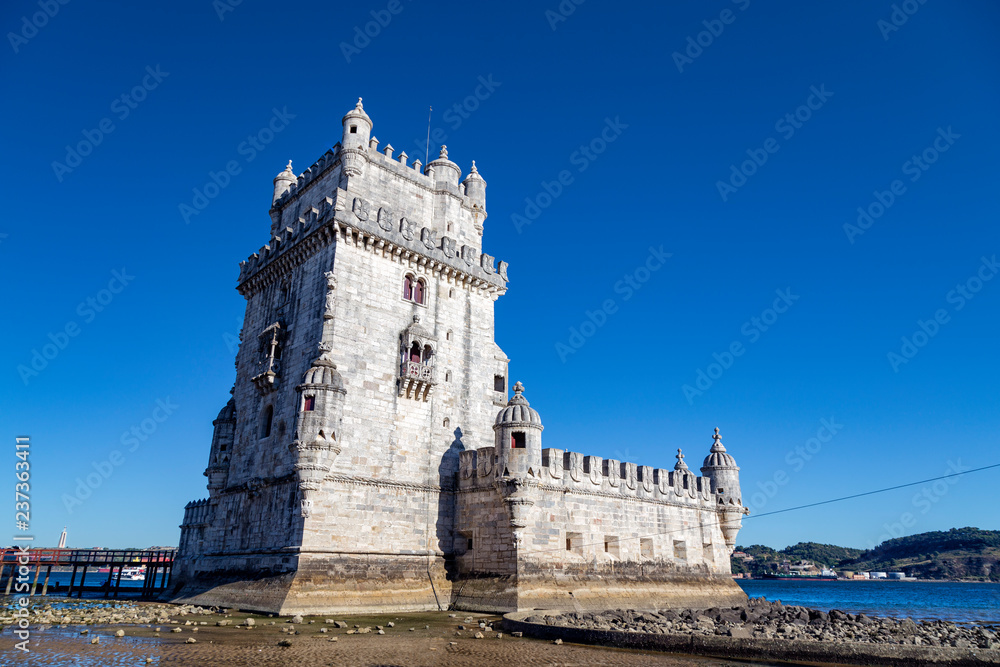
<point>762,619</point>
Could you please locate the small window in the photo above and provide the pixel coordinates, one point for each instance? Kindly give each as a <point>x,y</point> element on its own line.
<point>447,336</point>
<point>447,422</point>
<point>574,542</point>
<point>499,383</point>
<point>408,288</point>
<point>447,377</point>
<point>517,441</point>
<point>721,490</point>
<point>470,544</point>
<point>265,430</point>
<point>309,403</point>
<point>680,550</point>
<point>449,226</point>
<point>612,546</point>
<point>451,293</point>
<point>354,129</point>
<point>419,289</point>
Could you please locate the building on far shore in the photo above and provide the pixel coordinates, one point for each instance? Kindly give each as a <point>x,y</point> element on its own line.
<point>372,457</point>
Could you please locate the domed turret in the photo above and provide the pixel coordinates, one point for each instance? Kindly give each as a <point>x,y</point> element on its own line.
<point>321,406</point>
<point>720,467</point>
<point>475,187</point>
<point>518,437</point>
<point>354,144</point>
<point>282,182</point>
<point>444,169</point>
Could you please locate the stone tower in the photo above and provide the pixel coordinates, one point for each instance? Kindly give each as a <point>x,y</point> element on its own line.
<point>370,460</point>
<point>367,363</point>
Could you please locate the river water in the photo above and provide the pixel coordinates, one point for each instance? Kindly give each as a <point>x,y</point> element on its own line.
<point>956,602</point>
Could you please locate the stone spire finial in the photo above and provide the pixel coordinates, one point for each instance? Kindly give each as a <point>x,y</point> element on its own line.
<point>444,153</point>
<point>518,388</point>
<point>680,466</point>
<point>288,167</point>
<point>717,445</point>
<point>474,170</point>
<point>359,105</point>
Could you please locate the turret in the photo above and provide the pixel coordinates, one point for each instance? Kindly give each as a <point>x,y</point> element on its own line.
<point>475,190</point>
<point>518,437</point>
<point>282,182</point>
<point>321,406</point>
<point>444,169</point>
<point>223,437</point>
<point>354,144</point>
<point>724,474</point>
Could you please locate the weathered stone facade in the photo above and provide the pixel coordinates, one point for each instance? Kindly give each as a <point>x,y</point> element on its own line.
<point>370,459</point>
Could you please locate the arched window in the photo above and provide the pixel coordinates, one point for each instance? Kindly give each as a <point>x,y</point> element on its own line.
<point>447,422</point>
<point>408,287</point>
<point>418,291</point>
<point>415,352</point>
<point>309,403</point>
<point>268,417</point>
<point>428,352</point>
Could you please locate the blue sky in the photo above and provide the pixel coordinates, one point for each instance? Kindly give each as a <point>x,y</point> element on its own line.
<point>741,152</point>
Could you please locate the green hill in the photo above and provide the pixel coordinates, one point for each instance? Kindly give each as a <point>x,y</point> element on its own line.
<point>968,554</point>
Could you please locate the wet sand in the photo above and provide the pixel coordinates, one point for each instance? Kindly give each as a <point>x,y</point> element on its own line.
<point>435,641</point>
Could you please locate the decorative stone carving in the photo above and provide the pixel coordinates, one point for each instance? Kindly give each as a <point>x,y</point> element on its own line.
<point>630,476</point>
<point>595,465</point>
<point>361,209</point>
<point>385,219</point>
<point>429,238</point>
<point>406,229</point>
<point>448,246</point>
<point>486,261</point>
<point>468,255</point>
<point>612,470</point>
<point>502,271</point>
<point>331,291</point>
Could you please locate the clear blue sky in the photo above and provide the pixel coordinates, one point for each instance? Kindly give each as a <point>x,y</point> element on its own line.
<point>678,124</point>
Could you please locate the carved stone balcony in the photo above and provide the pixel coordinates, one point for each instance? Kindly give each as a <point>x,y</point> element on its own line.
<point>416,380</point>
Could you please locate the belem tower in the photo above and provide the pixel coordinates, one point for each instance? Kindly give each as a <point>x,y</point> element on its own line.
<point>373,458</point>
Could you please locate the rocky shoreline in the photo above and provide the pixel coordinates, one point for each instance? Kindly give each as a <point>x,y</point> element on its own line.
<point>762,619</point>
<point>86,612</point>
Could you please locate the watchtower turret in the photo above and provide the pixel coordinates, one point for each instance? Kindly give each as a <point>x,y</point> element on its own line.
<point>354,144</point>
<point>518,437</point>
<point>720,467</point>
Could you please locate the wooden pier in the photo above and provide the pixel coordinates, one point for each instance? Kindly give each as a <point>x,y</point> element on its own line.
<point>158,566</point>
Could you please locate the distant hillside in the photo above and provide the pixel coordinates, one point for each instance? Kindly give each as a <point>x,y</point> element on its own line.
<point>960,553</point>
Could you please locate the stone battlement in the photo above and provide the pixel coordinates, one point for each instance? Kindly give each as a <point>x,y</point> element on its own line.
<point>575,471</point>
